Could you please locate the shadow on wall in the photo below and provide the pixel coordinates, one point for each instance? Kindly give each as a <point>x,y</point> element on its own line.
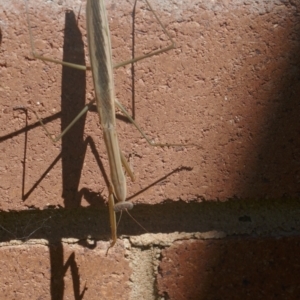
<point>231,269</point>
<point>215,267</point>
<point>265,264</point>
<point>272,157</point>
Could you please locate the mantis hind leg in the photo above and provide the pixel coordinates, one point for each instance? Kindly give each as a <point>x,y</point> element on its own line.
<point>172,44</point>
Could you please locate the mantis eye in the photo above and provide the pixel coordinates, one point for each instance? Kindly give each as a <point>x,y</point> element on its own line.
<point>123,206</point>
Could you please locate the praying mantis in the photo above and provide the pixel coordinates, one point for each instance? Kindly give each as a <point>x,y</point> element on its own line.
<point>99,45</point>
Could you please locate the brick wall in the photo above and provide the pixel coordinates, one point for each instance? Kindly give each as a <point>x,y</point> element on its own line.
<point>222,216</point>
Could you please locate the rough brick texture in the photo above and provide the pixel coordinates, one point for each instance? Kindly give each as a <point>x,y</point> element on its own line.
<point>237,268</point>
<point>231,86</point>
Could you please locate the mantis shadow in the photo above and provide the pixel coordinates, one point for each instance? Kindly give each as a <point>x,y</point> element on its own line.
<point>72,155</point>
<point>73,150</point>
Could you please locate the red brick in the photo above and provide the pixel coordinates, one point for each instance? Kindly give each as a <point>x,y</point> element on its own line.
<point>237,268</point>
<point>63,271</point>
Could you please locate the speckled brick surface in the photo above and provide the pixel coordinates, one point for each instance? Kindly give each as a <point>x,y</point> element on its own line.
<point>238,268</point>
<point>63,271</point>
<point>231,86</point>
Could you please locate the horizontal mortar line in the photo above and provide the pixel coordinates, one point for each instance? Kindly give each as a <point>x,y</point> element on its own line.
<point>234,217</point>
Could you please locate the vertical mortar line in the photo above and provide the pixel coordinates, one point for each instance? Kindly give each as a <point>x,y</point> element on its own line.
<point>144,265</point>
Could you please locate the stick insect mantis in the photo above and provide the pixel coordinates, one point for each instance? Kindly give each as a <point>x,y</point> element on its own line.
<point>99,46</point>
